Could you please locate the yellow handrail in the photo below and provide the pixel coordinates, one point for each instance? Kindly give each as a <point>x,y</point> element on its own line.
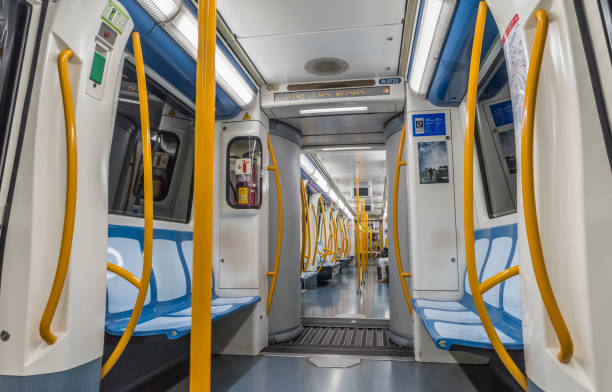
<point>279,236</point>
<point>70,205</point>
<point>468,200</point>
<point>303,247</point>
<point>147,168</point>
<point>498,278</point>
<point>398,255</point>
<point>325,239</point>
<point>314,256</point>
<point>358,252</point>
<point>308,234</point>
<point>529,202</point>
<point>125,274</point>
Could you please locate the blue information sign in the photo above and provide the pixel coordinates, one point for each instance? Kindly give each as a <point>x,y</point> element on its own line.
<point>429,124</point>
<point>502,113</point>
<point>389,81</point>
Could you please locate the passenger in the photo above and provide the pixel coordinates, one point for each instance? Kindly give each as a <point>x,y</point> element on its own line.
<point>382,271</point>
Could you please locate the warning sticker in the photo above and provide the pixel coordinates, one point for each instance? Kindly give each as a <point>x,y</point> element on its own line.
<point>243,166</point>
<point>160,160</point>
<point>515,52</point>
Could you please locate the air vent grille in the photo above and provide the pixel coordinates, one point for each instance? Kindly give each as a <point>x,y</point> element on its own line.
<point>326,66</point>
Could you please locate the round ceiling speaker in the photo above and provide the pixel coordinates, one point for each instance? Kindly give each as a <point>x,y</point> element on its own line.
<point>326,66</point>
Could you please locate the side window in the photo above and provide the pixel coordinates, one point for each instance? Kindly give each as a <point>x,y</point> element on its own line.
<point>495,142</point>
<point>14,22</point>
<point>171,152</point>
<point>243,173</point>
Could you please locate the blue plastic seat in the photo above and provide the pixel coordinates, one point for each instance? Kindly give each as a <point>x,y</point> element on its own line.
<point>456,323</point>
<point>167,309</point>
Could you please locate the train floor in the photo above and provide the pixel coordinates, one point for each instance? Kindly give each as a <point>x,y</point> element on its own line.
<point>330,368</point>
<point>300,374</point>
<point>339,298</point>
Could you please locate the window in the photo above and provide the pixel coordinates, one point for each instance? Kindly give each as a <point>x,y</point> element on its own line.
<point>495,142</point>
<point>14,23</point>
<point>172,135</point>
<point>243,168</point>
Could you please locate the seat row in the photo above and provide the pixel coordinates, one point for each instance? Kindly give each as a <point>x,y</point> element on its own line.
<point>167,309</point>
<point>456,323</point>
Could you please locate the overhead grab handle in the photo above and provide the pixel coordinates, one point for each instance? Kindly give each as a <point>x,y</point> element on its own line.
<point>279,236</point>
<point>70,206</point>
<point>529,203</point>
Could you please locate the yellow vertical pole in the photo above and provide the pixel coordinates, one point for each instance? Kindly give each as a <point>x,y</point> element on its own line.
<point>199,379</point>
<point>358,232</point>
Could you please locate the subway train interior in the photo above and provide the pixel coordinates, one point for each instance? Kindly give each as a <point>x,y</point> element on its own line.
<point>323,195</point>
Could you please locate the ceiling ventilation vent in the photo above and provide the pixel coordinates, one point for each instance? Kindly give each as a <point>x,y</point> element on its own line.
<point>326,66</point>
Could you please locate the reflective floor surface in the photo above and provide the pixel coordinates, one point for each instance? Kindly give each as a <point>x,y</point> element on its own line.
<point>280,374</point>
<point>339,296</point>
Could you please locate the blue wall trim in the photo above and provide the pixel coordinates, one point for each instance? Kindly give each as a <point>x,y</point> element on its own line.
<point>168,59</point>
<point>449,84</point>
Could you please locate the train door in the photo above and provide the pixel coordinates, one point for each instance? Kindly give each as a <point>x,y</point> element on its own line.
<point>59,66</point>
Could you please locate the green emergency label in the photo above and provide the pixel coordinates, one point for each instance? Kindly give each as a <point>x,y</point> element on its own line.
<point>97,68</point>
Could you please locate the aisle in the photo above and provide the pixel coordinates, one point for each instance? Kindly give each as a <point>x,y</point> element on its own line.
<point>339,297</point>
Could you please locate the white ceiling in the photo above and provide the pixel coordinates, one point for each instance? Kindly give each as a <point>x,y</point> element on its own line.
<point>355,129</point>
<point>280,36</point>
<point>345,166</point>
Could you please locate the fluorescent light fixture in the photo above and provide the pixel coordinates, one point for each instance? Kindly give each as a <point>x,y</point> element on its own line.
<point>349,109</point>
<point>321,181</point>
<point>306,165</point>
<point>436,18</point>
<point>231,80</point>
<point>161,10</point>
<point>333,195</point>
<point>182,26</point>
<point>347,148</point>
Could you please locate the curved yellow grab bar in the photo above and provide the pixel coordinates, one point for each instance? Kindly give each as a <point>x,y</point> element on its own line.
<point>398,256</point>
<point>125,274</point>
<point>70,207</point>
<point>325,239</point>
<point>468,200</point>
<point>314,256</point>
<point>279,236</point>
<point>358,252</point>
<point>203,195</point>
<point>147,168</point>
<point>303,247</point>
<point>529,202</point>
<point>308,234</point>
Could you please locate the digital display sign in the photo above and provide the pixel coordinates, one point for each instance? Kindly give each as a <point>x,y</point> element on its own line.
<point>351,92</point>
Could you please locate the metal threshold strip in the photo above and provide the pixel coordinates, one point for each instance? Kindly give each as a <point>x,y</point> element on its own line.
<point>343,336</point>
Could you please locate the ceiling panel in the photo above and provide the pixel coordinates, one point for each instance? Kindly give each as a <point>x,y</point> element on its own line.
<point>342,124</point>
<point>345,166</point>
<point>248,18</point>
<point>368,51</point>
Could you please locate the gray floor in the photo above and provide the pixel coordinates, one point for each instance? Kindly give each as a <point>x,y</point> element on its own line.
<point>339,296</point>
<point>279,374</point>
